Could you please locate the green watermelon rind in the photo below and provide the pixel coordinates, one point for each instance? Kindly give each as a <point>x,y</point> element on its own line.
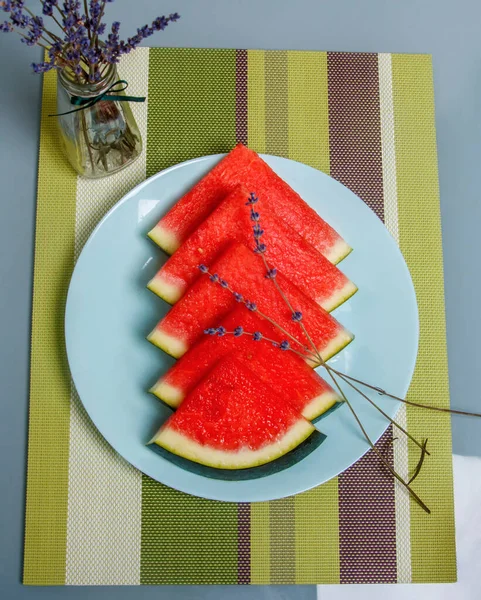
<point>280,464</point>
<point>168,292</point>
<point>169,344</point>
<point>329,411</point>
<point>168,394</point>
<point>341,296</point>
<point>164,238</point>
<point>339,252</point>
<point>181,445</point>
<point>320,405</point>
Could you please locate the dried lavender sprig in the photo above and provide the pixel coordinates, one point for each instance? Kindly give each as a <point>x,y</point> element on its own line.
<point>255,335</point>
<point>54,36</point>
<point>382,392</point>
<point>214,277</point>
<point>379,454</point>
<point>315,351</point>
<point>366,397</point>
<point>261,249</point>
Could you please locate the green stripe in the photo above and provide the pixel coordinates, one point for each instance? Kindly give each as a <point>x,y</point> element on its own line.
<point>186,540</point>
<point>49,417</point>
<point>191,113</point>
<point>260,544</point>
<point>282,512</point>
<point>317,539</point>
<point>191,105</point>
<point>432,537</point>
<point>256,100</point>
<point>308,109</point>
<point>317,535</point>
<point>275,71</point>
<point>256,137</point>
<point>283,541</point>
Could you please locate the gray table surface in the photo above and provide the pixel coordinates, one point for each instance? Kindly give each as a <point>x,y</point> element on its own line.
<point>448,30</point>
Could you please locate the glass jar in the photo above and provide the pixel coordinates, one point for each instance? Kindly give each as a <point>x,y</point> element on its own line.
<point>101,139</point>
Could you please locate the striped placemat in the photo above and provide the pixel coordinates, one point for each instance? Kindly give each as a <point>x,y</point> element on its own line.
<point>368,120</point>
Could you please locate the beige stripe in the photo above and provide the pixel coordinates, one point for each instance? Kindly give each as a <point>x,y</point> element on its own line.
<point>105,492</point>
<point>403,528</point>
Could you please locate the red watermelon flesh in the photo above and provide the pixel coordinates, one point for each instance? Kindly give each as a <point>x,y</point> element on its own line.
<point>287,374</point>
<point>205,303</point>
<point>245,167</point>
<point>233,420</point>
<point>286,249</point>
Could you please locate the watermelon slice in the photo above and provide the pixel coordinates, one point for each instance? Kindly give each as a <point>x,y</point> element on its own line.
<point>286,249</point>
<point>244,167</point>
<point>233,420</point>
<point>206,303</point>
<point>287,374</point>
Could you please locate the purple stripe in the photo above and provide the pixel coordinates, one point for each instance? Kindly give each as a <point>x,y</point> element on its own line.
<point>243,509</point>
<point>241,96</point>
<point>243,544</point>
<point>367,521</point>
<point>367,517</point>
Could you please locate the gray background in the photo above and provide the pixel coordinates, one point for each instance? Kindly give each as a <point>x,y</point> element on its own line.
<point>449,30</point>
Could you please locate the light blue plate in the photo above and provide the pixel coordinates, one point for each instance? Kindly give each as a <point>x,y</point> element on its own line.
<point>109,312</point>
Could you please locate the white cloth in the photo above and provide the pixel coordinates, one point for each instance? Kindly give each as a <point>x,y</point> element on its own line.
<point>467,496</point>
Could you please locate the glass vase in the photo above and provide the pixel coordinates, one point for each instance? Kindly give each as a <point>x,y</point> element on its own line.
<point>98,140</point>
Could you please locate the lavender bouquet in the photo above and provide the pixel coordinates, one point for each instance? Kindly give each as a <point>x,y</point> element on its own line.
<point>98,131</point>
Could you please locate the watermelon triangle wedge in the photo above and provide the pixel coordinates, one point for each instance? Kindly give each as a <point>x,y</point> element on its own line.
<point>286,373</point>
<point>206,303</point>
<point>286,249</point>
<point>233,420</point>
<point>243,166</point>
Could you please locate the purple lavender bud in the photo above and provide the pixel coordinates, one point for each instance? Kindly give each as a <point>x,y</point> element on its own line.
<point>174,17</point>
<point>70,21</point>
<point>223,283</point>
<point>255,216</point>
<point>252,306</point>
<point>115,27</point>
<point>238,297</point>
<point>160,23</point>
<point>210,331</point>
<point>258,231</point>
<point>271,274</point>
<point>6,27</point>
<point>238,331</point>
<point>203,269</point>
<point>297,316</point>
<point>6,5</point>
<point>42,67</point>
<point>252,199</point>
<point>257,336</point>
<point>260,248</point>
<point>284,345</point>
<point>214,278</point>
<point>47,9</point>
<point>18,18</point>
<point>221,331</point>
